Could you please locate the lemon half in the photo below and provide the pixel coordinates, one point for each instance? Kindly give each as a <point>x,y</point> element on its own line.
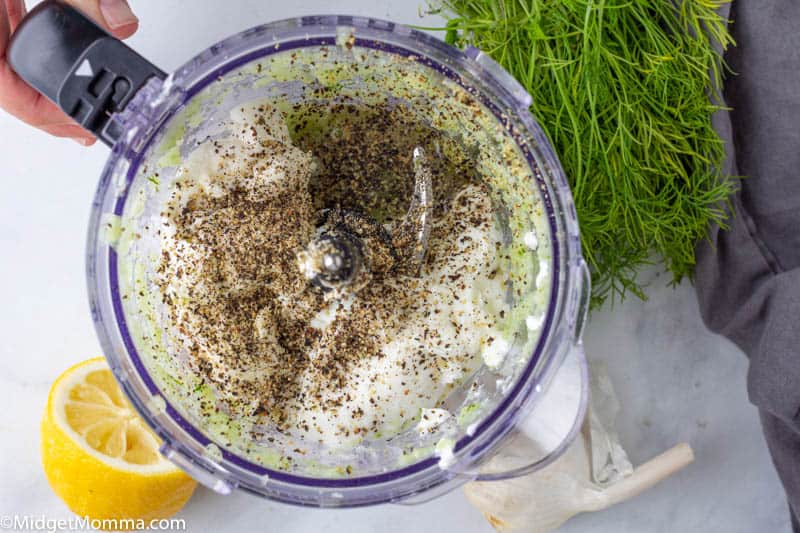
<point>100,457</point>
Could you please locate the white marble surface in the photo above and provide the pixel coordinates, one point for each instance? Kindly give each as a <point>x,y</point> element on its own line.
<point>676,381</point>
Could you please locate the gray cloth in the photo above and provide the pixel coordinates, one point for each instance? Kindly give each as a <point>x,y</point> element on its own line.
<point>748,278</point>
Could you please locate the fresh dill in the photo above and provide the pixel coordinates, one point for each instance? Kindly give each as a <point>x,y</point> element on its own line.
<point>625,92</point>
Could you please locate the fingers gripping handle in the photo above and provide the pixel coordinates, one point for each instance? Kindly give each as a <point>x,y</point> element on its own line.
<point>88,73</point>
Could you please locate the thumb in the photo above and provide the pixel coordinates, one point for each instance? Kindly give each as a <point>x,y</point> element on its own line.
<point>115,16</point>
<point>5,29</point>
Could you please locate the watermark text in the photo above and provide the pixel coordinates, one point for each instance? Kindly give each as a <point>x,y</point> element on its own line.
<point>84,523</point>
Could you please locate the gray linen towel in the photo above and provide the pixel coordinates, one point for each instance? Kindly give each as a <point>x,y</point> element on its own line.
<point>748,277</point>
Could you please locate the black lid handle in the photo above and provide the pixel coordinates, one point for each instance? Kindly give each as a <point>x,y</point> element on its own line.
<point>72,61</point>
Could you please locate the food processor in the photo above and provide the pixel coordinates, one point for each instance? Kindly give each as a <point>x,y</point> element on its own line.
<point>464,103</point>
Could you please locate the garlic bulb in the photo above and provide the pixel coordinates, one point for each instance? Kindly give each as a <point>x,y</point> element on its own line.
<point>594,473</point>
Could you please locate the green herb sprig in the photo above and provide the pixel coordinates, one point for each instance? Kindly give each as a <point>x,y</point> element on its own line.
<point>625,92</point>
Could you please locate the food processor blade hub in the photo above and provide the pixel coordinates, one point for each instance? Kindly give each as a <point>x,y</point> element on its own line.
<point>332,260</point>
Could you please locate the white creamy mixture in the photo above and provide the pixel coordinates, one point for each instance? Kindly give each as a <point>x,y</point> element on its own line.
<point>326,370</point>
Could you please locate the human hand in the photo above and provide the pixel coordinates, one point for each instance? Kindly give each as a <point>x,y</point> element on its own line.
<point>20,99</point>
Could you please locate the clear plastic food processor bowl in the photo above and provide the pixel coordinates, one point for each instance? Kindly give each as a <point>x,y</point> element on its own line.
<point>538,395</point>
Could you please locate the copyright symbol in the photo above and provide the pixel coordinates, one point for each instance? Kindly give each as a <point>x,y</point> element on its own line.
<point>6,522</point>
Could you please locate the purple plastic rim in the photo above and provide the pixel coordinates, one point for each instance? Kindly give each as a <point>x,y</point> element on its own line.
<point>501,411</point>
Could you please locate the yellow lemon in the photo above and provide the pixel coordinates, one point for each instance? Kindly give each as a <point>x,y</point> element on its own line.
<point>100,457</point>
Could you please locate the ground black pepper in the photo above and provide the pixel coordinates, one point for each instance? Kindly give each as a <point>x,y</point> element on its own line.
<point>248,307</point>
